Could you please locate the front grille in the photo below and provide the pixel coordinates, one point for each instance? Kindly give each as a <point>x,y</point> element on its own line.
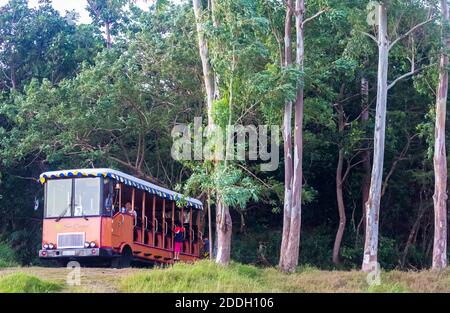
<point>70,240</point>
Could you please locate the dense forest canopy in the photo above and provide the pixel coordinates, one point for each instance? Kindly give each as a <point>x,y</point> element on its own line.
<point>107,94</point>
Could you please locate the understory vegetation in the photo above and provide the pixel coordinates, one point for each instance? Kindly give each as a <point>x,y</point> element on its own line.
<point>8,257</point>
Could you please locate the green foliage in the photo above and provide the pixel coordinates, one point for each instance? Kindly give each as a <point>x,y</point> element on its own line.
<point>111,12</point>
<point>235,189</point>
<point>7,256</point>
<point>257,247</point>
<point>24,283</point>
<point>278,85</point>
<point>39,43</point>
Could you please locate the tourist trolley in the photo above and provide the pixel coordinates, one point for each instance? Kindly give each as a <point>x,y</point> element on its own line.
<point>85,219</point>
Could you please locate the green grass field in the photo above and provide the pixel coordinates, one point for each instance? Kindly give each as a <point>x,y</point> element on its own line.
<point>205,276</point>
<point>23,283</point>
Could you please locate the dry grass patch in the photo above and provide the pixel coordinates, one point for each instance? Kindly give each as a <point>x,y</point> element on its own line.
<point>420,281</point>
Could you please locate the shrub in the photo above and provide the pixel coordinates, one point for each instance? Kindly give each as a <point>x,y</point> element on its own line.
<point>245,247</point>
<point>7,256</point>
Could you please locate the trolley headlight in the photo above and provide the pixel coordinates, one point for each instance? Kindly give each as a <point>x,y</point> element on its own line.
<point>86,244</point>
<point>51,246</point>
<point>92,244</point>
<point>45,246</point>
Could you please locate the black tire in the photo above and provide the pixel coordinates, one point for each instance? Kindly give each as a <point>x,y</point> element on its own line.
<point>124,260</point>
<point>62,263</point>
<point>115,262</point>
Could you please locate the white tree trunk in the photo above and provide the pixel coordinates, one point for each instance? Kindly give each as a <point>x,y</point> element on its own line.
<point>208,75</point>
<point>366,153</point>
<point>373,203</point>
<point>287,143</point>
<point>440,159</point>
<point>224,232</point>
<point>223,217</point>
<point>293,246</point>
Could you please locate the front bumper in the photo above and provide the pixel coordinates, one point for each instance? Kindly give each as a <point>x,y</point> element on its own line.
<point>76,253</point>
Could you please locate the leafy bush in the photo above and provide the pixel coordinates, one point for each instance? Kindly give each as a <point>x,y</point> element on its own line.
<point>246,248</point>
<point>388,253</point>
<point>316,248</point>
<point>23,283</point>
<point>7,256</point>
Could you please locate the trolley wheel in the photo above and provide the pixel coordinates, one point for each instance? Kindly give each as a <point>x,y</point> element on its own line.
<point>62,263</point>
<point>124,260</point>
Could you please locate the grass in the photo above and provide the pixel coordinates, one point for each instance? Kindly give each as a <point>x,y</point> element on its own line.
<point>205,276</point>
<point>389,288</point>
<point>202,276</point>
<point>24,283</point>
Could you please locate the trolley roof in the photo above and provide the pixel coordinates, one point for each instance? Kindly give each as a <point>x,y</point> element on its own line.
<point>124,178</point>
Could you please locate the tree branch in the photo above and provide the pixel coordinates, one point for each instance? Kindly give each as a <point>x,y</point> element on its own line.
<point>406,75</point>
<point>289,6</point>
<point>350,166</point>
<point>411,31</point>
<point>401,157</point>
<point>254,176</point>
<point>370,36</point>
<point>315,15</point>
<point>26,178</point>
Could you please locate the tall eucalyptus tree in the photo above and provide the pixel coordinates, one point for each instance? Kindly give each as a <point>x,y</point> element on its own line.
<point>384,43</point>
<point>440,156</point>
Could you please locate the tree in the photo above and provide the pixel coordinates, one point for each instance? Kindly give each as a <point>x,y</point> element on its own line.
<point>108,14</point>
<point>223,217</point>
<point>208,74</point>
<point>40,43</point>
<point>290,243</point>
<point>235,51</point>
<point>373,203</point>
<point>78,103</point>
<point>440,156</point>
<point>120,110</point>
<point>287,126</point>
